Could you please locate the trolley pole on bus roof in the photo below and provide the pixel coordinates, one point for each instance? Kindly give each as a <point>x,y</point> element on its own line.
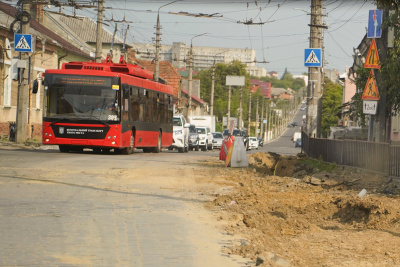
<point>21,133</point>
<point>99,35</point>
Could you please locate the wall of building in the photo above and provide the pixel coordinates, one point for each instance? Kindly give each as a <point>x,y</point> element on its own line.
<point>203,57</point>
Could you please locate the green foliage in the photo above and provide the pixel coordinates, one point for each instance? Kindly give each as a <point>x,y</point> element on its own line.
<point>297,84</point>
<point>236,68</point>
<point>331,101</point>
<point>287,75</point>
<point>390,70</point>
<point>390,67</point>
<point>361,79</point>
<point>317,164</point>
<point>221,90</point>
<point>286,81</point>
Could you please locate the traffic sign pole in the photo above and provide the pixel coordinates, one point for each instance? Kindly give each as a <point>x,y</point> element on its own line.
<point>21,134</point>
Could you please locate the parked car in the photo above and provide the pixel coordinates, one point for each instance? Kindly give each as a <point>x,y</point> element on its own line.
<point>260,141</point>
<point>194,141</point>
<point>181,134</point>
<point>205,137</point>
<point>298,142</point>
<point>217,139</point>
<point>241,133</point>
<point>292,124</point>
<point>253,143</point>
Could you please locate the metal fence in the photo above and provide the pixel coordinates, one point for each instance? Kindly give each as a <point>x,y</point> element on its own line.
<point>379,157</point>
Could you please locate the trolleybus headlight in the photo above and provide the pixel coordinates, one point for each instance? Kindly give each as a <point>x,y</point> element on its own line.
<point>47,140</point>
<point>115,137</point>
<point>113,142</point>
<point>109,137</point>
<point>50,134</point>
<point>45,134</point>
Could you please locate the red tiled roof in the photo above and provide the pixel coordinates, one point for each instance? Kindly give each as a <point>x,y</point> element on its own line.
<point>167,72</point>
<point>170,74</point>
<point>265,87</point>
<point>201,101</point>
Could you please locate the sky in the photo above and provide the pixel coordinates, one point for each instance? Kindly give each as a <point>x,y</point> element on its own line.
<point>280,40</point>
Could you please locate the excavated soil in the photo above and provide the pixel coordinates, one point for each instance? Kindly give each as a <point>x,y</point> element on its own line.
<point>286,212</point>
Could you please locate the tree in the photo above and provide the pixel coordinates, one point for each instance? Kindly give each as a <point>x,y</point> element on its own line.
<point>297,84</point>
<point>331,102</point>
<point>235,68</point>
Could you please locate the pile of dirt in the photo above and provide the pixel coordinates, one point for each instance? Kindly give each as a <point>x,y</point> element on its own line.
<point>313,219</point>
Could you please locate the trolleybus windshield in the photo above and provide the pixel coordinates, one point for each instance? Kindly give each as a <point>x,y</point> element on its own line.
<point>82,97</point>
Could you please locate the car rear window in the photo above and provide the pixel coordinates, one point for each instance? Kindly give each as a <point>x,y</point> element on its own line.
<point>217,135</point>
<point>201,130</point>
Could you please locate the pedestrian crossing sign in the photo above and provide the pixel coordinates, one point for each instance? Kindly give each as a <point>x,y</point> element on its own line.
<point>312,57</point>
<point>371,89</point>
<point>23,43</point>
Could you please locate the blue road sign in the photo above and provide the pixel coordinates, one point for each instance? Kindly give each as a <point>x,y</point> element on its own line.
<point>374,24</point>
<point>312,57</point>
<point>23,43</point>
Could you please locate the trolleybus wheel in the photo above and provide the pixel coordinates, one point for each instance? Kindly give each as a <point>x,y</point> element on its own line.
<point>129,150</point>
<point>63,149</point>
<point>186,149</point>
<point>182,149</point>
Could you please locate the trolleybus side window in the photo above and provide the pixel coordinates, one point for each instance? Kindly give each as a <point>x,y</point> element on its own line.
<point>135,106</point>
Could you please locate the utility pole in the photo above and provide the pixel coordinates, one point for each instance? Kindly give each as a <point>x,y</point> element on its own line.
<point>262,117</point>
<point>249,112</point>
<point>229,106</point>
<point>256,130</point>
<point>99,36</point>
<point>158,45</point>
<point>240,108</point>
<point>190,80</point>
<point>158,40</point>
<point>23,86</point>
<point>314,92</point>
<point>212,90</point>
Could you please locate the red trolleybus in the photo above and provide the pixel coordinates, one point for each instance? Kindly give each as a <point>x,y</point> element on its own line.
<point>106,106</point>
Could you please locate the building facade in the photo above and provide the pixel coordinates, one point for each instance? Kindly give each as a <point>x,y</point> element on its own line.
<point>203,57</point>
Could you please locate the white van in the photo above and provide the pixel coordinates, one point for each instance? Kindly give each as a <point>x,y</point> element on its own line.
<point>297,135</point>
<point>181,134</point>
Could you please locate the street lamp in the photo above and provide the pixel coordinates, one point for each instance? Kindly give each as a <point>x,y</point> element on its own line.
<point>190,81</point>
<point>158,34</point>
<point>212,84</point>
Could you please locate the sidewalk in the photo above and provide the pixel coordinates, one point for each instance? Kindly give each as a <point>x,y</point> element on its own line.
<point>30,145</point>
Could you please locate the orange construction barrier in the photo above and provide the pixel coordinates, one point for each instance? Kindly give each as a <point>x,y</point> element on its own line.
<point>226,144</point>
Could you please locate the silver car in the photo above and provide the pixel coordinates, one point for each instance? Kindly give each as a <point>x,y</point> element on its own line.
<point>218,138</point>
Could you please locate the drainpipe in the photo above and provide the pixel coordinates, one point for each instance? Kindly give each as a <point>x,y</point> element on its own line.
<point>59,59</point>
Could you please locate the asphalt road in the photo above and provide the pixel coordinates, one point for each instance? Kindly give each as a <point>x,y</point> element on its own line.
<point>86,209</point>
<point>283,144</point>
